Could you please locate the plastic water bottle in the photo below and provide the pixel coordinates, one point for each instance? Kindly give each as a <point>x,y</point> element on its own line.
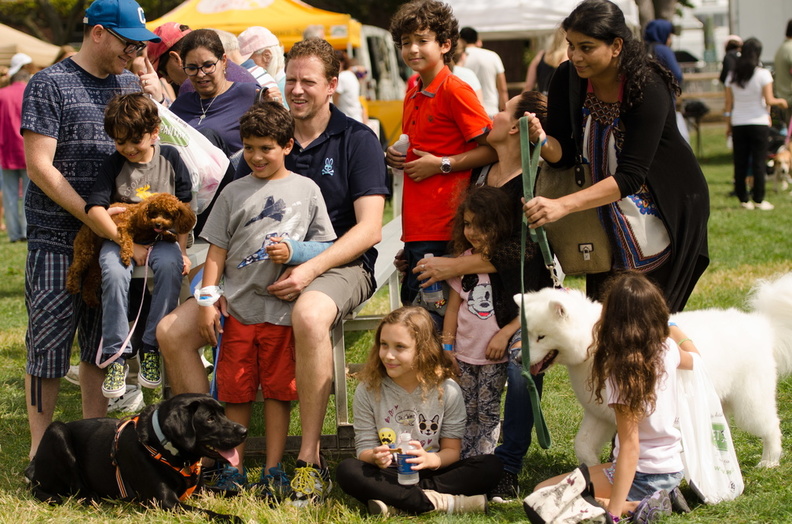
<point>433,294</point>
<point>401,145</point>
<point>407,476</point>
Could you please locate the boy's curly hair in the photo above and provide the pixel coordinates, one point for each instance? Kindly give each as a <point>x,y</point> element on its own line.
<point>426,15</point>
<point>129,116</point>
<point>268,120</point>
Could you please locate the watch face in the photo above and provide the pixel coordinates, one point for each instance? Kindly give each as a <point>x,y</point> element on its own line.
<point>445,165</point>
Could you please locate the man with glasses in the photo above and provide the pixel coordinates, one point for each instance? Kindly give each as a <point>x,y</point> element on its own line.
<point>65,145</point>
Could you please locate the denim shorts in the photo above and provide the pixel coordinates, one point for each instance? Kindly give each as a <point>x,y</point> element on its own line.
<point>645,484</point>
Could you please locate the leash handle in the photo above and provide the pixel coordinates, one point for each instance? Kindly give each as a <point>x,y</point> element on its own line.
<point>530,164</point>
<point>117,354</point>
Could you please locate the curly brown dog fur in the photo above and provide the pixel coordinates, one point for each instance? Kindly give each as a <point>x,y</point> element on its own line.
<point>159,217</point>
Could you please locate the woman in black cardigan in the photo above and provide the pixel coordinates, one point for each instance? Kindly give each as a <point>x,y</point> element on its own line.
<point>650,193</point>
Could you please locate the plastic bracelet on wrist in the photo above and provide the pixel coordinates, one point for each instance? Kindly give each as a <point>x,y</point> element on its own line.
<point>448,347</point>
<point>207,296</point>
<point>683,341</point>
<point>672,324</point>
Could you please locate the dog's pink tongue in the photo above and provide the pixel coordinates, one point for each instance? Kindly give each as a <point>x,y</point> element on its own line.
<point>231,455</point>
<point>536,368</point>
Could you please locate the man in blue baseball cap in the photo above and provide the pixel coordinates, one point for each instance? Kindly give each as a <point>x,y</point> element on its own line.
<point>65,146</point>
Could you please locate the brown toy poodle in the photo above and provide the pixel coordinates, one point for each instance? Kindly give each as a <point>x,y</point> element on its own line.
<point>158,218</point>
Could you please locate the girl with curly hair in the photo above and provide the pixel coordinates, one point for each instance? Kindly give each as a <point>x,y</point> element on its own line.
<point>635,354</point>
<point>649,190</point>
<point>405,387</point>
<point>470,328</point>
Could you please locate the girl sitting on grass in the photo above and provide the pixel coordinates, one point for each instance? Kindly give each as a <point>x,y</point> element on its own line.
<point>405,387</point>
<point>635,354</point>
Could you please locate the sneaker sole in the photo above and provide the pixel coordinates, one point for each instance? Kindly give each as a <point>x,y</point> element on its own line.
<point>148,383</point>
<point>113,394</point>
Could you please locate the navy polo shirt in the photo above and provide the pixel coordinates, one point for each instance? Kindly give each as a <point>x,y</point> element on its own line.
<point>346,162</point>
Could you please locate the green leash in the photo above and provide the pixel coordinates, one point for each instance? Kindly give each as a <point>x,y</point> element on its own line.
<point>530,164</point>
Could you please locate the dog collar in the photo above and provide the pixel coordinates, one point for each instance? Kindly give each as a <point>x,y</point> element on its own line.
<point>161,436</point>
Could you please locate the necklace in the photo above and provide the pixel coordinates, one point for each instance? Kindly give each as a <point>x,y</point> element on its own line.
<point>203,111</point>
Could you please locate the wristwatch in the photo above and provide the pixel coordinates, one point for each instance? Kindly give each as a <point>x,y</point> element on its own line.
<point>445,165</point>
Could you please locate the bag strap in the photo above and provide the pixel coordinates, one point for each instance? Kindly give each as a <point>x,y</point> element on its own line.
<point>530,163</point>
<point>574,111</point>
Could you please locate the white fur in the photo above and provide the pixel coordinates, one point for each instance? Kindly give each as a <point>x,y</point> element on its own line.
<point>744,353</point>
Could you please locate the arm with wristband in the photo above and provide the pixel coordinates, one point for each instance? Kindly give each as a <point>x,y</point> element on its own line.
<point>450,328</point>
<point>208,295</point>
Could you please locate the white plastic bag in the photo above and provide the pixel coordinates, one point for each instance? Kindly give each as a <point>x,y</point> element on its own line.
<point>711,467</point>
<point>207,163</point>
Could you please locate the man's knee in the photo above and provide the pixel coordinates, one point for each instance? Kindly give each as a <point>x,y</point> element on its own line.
<point>314,313</point>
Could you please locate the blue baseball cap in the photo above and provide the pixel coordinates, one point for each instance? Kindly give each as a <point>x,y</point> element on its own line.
<point>125,17</point>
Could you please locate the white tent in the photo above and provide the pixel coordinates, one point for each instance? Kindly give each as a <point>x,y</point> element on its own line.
<point>13,41</point>
<point>522,19</point>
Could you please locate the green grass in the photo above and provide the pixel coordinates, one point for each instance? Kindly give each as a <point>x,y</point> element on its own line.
<point>744,246</point>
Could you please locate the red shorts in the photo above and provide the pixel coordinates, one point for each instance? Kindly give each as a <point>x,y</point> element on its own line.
<point>252,356</point>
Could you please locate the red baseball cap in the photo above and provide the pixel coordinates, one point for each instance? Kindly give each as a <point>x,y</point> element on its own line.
<point>169,34</point>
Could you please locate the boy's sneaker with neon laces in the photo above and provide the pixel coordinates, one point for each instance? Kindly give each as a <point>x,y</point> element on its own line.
<point>114,384</point>
<point>150,374</point>
<point>653,508</point>
<point>73,375</point>
<point>311,483</point>
<point>275,481</point>
<point>130,402</point>
<point>228,480</point>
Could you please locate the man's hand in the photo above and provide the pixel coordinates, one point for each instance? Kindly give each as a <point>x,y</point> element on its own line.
<point>292,282</point>
<point>139,254</point>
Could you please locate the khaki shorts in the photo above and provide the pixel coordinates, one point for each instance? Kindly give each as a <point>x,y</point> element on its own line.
<point>348,286</point>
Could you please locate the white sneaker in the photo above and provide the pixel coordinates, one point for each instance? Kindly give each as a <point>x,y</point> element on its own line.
<point>130,402</point>
<point>747,205</point>
<point>73,375</point>
<point>764,205</point>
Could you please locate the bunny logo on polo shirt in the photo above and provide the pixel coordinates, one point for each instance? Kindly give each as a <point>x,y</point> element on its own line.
<point>328,167</point>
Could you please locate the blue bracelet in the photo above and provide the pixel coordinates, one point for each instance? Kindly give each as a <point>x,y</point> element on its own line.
<point>672,324</point>
<point>448,347</point>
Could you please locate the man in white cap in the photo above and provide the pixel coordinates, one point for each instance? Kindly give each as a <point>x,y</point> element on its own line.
<point>65,145</point>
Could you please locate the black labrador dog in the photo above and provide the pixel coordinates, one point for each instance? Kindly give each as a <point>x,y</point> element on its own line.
<point>153,457</point>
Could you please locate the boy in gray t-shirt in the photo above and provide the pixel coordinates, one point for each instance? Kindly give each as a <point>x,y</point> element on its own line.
<point>259,223</point>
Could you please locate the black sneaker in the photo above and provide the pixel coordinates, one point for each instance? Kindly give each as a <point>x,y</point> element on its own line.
<point>310,484</point>
<point>678,502</point>
<point>506,489</point>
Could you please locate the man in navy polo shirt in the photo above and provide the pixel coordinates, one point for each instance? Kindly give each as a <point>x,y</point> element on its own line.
<point>345,159</point>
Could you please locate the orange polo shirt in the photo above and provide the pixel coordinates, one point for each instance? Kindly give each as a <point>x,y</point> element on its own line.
<point>442,119</point>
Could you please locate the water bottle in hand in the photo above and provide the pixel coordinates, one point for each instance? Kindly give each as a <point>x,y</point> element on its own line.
<point>407,476</point>
<point>401,145</point>
<point>432,295</point>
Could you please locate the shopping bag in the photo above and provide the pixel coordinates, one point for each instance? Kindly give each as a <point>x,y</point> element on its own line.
<point>206,163</point>
<point>571,501</point>
<point>711,467</point>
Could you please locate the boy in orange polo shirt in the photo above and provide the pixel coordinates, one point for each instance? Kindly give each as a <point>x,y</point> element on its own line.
<point>447,126</point>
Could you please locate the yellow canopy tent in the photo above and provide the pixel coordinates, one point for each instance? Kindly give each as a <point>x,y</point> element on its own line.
<point>287,19</point>
<point>13,42</point>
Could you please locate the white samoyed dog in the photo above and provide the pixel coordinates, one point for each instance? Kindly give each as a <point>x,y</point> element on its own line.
<point>745,354</point>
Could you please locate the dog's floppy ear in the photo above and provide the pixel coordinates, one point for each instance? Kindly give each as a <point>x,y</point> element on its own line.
<point>139,217</point>
<point>185,221</point>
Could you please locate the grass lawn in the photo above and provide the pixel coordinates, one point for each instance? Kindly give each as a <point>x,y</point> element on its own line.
<point>744,246</point>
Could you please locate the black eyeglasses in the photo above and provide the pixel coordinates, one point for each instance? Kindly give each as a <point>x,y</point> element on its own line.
<point>206,69</point>
<point>131,47</point>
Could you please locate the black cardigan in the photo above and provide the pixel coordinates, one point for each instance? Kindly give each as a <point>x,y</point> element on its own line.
<point>653,153</point>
